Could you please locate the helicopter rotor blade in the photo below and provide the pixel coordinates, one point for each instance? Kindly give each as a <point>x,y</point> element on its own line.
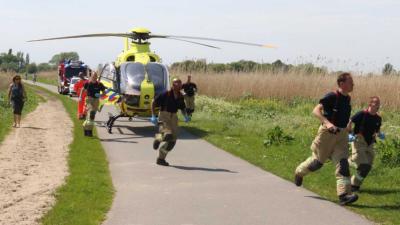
<point>192,42</point>
<point>127,35</point>
<point>212,39</point>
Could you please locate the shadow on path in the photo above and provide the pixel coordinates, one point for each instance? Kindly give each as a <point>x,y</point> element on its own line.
<point>317,197</point>
<point>193,133</point>
<point>203,169</point>
<point>35,128</point>
<point>121,140</point>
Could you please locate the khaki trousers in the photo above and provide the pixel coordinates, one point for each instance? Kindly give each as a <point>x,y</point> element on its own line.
<point>189,102</point>
<point>168,131</point>
<point>329,146</point>
<point>92,105</point>
<point>362,154</point>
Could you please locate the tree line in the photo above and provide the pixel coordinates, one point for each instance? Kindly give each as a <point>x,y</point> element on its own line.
<point>251,66</point>
<point>244,66</point>
<point>20,62</point>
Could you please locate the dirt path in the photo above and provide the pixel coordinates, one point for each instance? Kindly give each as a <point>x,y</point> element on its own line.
<point>33,163</point>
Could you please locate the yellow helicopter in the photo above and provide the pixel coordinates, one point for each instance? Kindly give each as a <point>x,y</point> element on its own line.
<point>137,75</point>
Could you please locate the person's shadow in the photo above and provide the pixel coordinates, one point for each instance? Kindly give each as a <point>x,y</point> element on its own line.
<point>203,169</point>
<point>34,128</point>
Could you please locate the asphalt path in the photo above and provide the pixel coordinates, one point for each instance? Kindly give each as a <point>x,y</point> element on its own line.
<point>204,185</point>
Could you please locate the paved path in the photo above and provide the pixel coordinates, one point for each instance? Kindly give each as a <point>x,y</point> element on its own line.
<point>203,186</point>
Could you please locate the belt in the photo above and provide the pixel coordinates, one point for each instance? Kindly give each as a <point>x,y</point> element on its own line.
<point>336,130</point>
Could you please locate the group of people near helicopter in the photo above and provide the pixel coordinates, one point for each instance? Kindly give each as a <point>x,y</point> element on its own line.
<point>179,97</point>
<point>333,111</point>
<point>331,142</point>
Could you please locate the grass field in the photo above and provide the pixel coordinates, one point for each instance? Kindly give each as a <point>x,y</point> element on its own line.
<point>275,135</point>
<point>47,77</point>
<point>87,195</point>
<point>266,119</point>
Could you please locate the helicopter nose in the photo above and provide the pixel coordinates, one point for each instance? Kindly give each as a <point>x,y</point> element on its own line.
<point>132,100</point>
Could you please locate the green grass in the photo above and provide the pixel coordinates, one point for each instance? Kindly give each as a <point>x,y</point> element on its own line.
<point>248,129</point>
<point>6,115</point>
<point>87,195</point>
<point>47,80</point>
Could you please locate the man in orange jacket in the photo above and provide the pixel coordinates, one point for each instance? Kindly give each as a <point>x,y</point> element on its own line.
<point>82,96</point>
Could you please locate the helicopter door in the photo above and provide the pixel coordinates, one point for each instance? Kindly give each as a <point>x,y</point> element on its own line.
<point>158,74</point>
<point>108,76</point>
<point>132,76</point>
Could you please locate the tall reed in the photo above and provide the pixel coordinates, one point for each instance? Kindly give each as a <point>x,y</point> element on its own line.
<point>290,85</point>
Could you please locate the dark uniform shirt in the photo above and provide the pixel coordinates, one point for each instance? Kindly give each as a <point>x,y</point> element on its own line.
<point>337,108</point>
<point>189,88</point>
<point>93,88</point>
<point>169,103</point>
<point>367,125</point>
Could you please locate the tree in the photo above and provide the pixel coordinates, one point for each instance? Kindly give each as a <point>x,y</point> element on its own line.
<point>45,67</point>
<point>9,62</point>
<point>27,59</point>
<point>32,68</point>
<point>21,61</point>
<point>388,69</point>
<point>217,67</point>
<point>62,56</point>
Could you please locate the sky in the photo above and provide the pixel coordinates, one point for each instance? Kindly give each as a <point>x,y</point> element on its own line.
<point>355,35</point>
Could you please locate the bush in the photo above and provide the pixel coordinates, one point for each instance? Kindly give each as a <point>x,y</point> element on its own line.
<point>389,152</point>
<point>3,100</point>
<point>276,136</point>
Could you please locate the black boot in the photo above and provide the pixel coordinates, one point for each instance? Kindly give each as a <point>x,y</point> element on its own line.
<point>90,133</point>
<point>85,132</point>
<point>346,199</point>
<point>162,162</point>
<point>156,144</point>
<point>298,180</point>
<point>355,188</point>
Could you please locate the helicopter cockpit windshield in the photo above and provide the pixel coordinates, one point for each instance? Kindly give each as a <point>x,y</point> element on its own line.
<point>158,74</point>
<point>133,74</point>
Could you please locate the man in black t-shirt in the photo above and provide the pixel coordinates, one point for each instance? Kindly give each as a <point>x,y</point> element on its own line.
<point>189,90</point>
<point>169,102</point>
<point>367,124</point>
<point>333,111</point>
<point>93,89</point>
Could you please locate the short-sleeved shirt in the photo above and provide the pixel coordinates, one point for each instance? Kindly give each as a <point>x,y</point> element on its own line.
<point>337,108</point>
<point>189,88</point>
<point>17,92</point>
<point>93,88</point>
<point>367,125</point>
<point>169,103</point>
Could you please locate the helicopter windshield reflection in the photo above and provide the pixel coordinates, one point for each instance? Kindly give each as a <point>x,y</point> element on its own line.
<point>133,74</point>
<point>158,74</point>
